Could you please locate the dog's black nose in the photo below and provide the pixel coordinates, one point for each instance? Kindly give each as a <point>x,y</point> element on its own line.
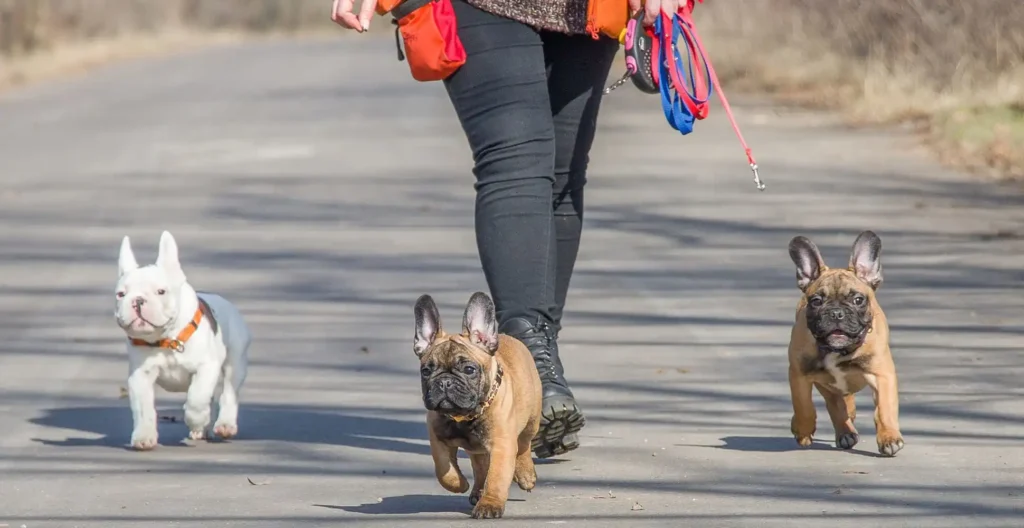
<point>446,384</point>
<point>838,315</point>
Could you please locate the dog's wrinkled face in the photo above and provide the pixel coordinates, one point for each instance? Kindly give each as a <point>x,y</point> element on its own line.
<point>147,298</point>
<point>456,370</point>
<point>839,301</point>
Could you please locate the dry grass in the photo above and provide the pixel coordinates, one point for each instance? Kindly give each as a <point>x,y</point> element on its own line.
<point>955,66</point>
<point>40,39</point>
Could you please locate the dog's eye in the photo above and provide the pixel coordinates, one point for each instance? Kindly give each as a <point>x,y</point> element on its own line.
<point>161,291</point>
<point>858,300</point>
<point>815,301</point>
<point>120,295</point>
<point>425,371</point>
<point>469,370</point>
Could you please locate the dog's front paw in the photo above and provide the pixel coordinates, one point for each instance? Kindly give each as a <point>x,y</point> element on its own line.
<point>526,478</point>
<point>198,434</point>
<point>144,439</point>
<point>488,508</point>
<point>803,432</point>
<point>847,440</point>
<point>225,430</point>
<point>889,444</point>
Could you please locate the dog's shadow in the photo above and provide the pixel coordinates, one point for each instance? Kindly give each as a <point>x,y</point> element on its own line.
<point>411,505</point>
<point>112,426</point>
<point>780,444</point>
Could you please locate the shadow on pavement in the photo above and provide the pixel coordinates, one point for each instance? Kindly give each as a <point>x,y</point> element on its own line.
<point>256,422</point>
<point>409,504</point>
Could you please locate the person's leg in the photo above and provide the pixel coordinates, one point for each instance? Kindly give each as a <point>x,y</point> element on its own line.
<point>577,69</point>
<point>501,98</point>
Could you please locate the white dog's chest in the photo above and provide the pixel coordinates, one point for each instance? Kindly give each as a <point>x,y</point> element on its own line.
<point>174,378</point>
<point>172,371</point>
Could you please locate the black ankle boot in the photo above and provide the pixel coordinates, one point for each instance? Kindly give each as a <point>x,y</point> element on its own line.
<point>561,417</point>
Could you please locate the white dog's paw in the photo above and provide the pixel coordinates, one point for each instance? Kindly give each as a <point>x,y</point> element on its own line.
<point>144,439</point>
<point>225,429</point>
<point>198,434</point>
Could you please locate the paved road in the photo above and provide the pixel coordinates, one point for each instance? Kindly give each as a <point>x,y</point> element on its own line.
<point>319,187</point>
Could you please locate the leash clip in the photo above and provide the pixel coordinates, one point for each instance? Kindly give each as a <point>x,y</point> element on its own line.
<point>177,346</point>
<point>757,179</point>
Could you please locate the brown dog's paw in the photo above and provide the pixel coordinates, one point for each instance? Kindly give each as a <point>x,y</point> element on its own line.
<point>475,497</point>
<point>847,440</point>
<point>488,508</point>
<point>526,479</point>
<point>890,445</point>
<point>454,482</point>
<point>803,432</point>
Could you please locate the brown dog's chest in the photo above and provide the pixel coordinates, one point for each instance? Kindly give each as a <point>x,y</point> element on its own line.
<point>470,436</point>
<point>838,374</point>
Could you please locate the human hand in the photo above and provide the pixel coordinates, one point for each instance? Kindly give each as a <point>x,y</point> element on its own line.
<point>343,16</point>
<point>653,8</point>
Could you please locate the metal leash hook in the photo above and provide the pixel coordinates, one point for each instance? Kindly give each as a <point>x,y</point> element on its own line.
<point>757,179</point>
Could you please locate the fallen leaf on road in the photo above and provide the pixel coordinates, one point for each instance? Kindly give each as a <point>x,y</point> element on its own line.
<point>169,418</point>
<point>852,472</point>
<point>364,350</point>
<point>380,500</point>
<point>683,371</point>
<point>838,491</point>
<point>254,483</point>
<point>636,506</point>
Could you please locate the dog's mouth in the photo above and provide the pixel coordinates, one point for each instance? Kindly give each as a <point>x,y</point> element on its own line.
<point>138,323</point>
<point>839,339</point>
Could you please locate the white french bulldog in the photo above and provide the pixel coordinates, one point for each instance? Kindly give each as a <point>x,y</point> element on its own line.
<point>181,341</point>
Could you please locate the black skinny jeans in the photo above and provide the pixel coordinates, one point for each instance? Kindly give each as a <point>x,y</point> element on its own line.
<point>528,102</point>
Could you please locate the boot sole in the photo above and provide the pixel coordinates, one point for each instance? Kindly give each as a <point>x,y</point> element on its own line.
<point>557,433</point>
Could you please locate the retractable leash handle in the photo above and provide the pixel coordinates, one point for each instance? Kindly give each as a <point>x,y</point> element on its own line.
<point>638,47</point>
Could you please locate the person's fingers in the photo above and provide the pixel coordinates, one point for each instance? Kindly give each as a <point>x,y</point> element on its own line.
<point>634,6</point>
<point>343,16</point>
<point>366,13</point>
<point>652,9</point>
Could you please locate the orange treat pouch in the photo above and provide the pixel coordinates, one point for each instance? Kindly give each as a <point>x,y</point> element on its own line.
<point>607,18</point>
<point>428,30</point>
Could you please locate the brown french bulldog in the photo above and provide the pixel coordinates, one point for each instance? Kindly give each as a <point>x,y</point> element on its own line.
<point>840,344</point>
<point>483,394</point>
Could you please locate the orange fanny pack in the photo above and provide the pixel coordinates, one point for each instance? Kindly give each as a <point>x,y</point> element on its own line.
<point>429,32</point>
<point>607,17</point>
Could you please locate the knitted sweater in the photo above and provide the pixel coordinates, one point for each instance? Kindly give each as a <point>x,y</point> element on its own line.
<point>563,16</point>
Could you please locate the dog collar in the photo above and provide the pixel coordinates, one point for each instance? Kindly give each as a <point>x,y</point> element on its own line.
<point>490,397</point>
<point>178,344</point>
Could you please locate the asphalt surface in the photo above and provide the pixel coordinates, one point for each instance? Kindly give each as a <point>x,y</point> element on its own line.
<point>321,189</point>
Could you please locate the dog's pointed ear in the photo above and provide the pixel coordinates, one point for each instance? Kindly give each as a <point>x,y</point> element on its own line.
<point>479,322</point>
<point>428,324</point>
<point>167,258</point>
<point>126,260</point>
<point>809,264</point>
<point>865,258</point>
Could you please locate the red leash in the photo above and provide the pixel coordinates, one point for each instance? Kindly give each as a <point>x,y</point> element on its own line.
<point>685,95</point>
<point>686,13</point>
